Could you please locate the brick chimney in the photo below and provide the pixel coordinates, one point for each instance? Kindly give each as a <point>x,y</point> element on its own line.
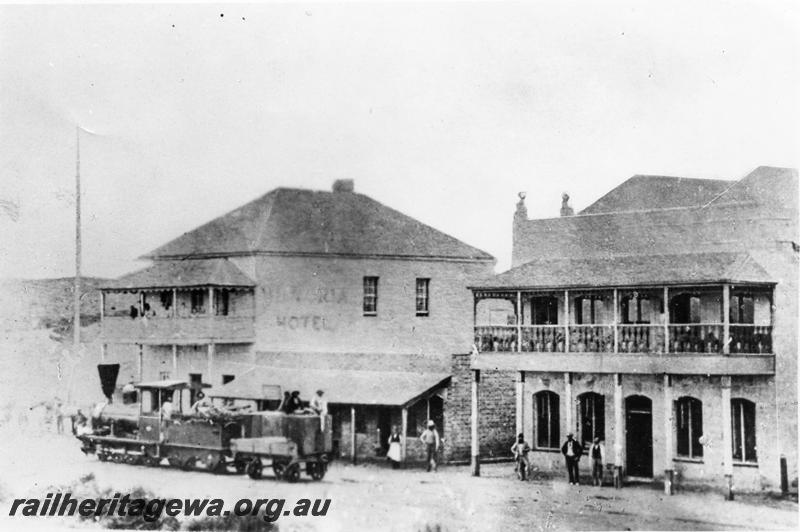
<point>566,210</point>
<point>343,185</point>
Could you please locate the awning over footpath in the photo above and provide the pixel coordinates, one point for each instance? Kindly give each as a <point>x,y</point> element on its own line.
<point>639,270</point>
<point>353,387</point>
<point>184,274</point>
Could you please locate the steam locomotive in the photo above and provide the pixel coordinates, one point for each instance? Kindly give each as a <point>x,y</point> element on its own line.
<point>151,430</point>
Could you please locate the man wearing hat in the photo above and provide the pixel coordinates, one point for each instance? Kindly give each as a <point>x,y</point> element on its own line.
<point>431,440</point>
<point>572,451</point>
<point>320,407</point>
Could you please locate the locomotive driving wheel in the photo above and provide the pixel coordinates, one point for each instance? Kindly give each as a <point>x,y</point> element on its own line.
<point>279,468</point>
<point>255,468</point>
<point>292,473</point>
<point>316,470</point>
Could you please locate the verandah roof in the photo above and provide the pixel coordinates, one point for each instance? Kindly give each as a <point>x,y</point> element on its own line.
<point>183,274</point>
<point>355,387</point>
<point>632,270</point>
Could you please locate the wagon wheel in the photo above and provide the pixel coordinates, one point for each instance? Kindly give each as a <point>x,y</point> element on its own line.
<point>240,466</point>
<point>279,468</point>
<point>255,468</point>
<point>292,473</point>
<point>102,456</point>
<point>316,470</point>
<point>189,463</point>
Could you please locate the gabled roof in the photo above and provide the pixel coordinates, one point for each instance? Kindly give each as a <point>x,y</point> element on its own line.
<point>298,222</point>
<point>183,274</point>
<point>358,387</point>
<point>648,192</point>
<point>632,270</point>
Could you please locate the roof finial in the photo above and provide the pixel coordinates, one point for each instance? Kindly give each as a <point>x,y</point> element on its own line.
<point>566,210</point>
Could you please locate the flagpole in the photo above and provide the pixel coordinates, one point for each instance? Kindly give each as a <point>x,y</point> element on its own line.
<point>76,321</point>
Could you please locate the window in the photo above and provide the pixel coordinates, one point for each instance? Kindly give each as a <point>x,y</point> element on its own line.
<point>689,427</point>
<point>221,302</point>
<point>742,309</point>
<point>684,308</point>
<point>592,416</point>
<point>227,378</point>
<point>544,310</point>
<point>198,301</point>
<point>370,296</point>
<point>163,375</point>
<point>195,381</point>
<point>547,420</point>
<point>743,424</point>
<point>635,309</point>
<point>423,293</point>
<point>588,310</point>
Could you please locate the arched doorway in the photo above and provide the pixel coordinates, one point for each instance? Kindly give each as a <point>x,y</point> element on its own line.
<point>639,436</point>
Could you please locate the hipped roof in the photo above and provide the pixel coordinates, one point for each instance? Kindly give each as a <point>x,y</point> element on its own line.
<point>634,270</point>
<point>183,274</point>
<point>356,387</point>
<point>297,222</point>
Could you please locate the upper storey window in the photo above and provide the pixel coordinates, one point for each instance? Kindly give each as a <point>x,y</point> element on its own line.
<point>370,296</point>
<point>423,296</point>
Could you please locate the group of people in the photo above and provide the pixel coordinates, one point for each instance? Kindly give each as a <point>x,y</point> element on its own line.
<point>429,438</point>
<point>572,451</point>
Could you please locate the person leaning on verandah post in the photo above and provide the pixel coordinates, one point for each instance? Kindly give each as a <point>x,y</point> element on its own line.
<point>572,451</point>
<point>430,437</point>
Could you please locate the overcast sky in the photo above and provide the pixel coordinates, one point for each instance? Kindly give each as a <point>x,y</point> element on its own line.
<point>442,111</point>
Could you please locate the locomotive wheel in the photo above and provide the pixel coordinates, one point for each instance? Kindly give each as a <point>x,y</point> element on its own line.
<point>316,470</point>
<point>240,466</point>
<point>117,458</point>
<point>255,468</point>
<point>102,456</point>
<point>292,473</point>
<point>175,461</point>
<point>279,468</point>
<point>151,461</point>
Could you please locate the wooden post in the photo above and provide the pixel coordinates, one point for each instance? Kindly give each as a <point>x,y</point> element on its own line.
<point>141,362</point>
<point>404,429</point>
<point>353,433</point>
<point>616,320</point>
<point>210,362</point>
<point>666,320</point>
<point>475,447</point>
<point>174,361</point>
<point>102,305</point>
<point>174,302</point>
<point>566,321</point>
<point>210,311</point>
<point>668,435</point>
<point>520,392</point>
<point>618,430</point>
<point>519,321</point>
<point>726,319</point>
<point>568,401</point>
<point>727,437</point>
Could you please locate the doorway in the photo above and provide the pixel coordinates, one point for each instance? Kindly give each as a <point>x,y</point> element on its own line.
<point>384,429</point>
<point>639,436</point>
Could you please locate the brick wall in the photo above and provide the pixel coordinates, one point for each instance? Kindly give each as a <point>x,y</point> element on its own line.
<point>496,413</point>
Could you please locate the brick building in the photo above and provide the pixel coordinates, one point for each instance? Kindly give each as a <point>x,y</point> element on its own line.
<point>305,290</point>
<point>661,319</point>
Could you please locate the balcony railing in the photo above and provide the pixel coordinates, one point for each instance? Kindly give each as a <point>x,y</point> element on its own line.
<point>694,338</point>
<point>199,328</point>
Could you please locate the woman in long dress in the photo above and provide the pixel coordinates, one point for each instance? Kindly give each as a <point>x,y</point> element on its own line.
<point>394,448</point>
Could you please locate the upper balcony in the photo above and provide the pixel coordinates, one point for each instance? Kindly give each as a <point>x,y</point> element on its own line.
<point>694,327</point>
<point>185,302</point>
